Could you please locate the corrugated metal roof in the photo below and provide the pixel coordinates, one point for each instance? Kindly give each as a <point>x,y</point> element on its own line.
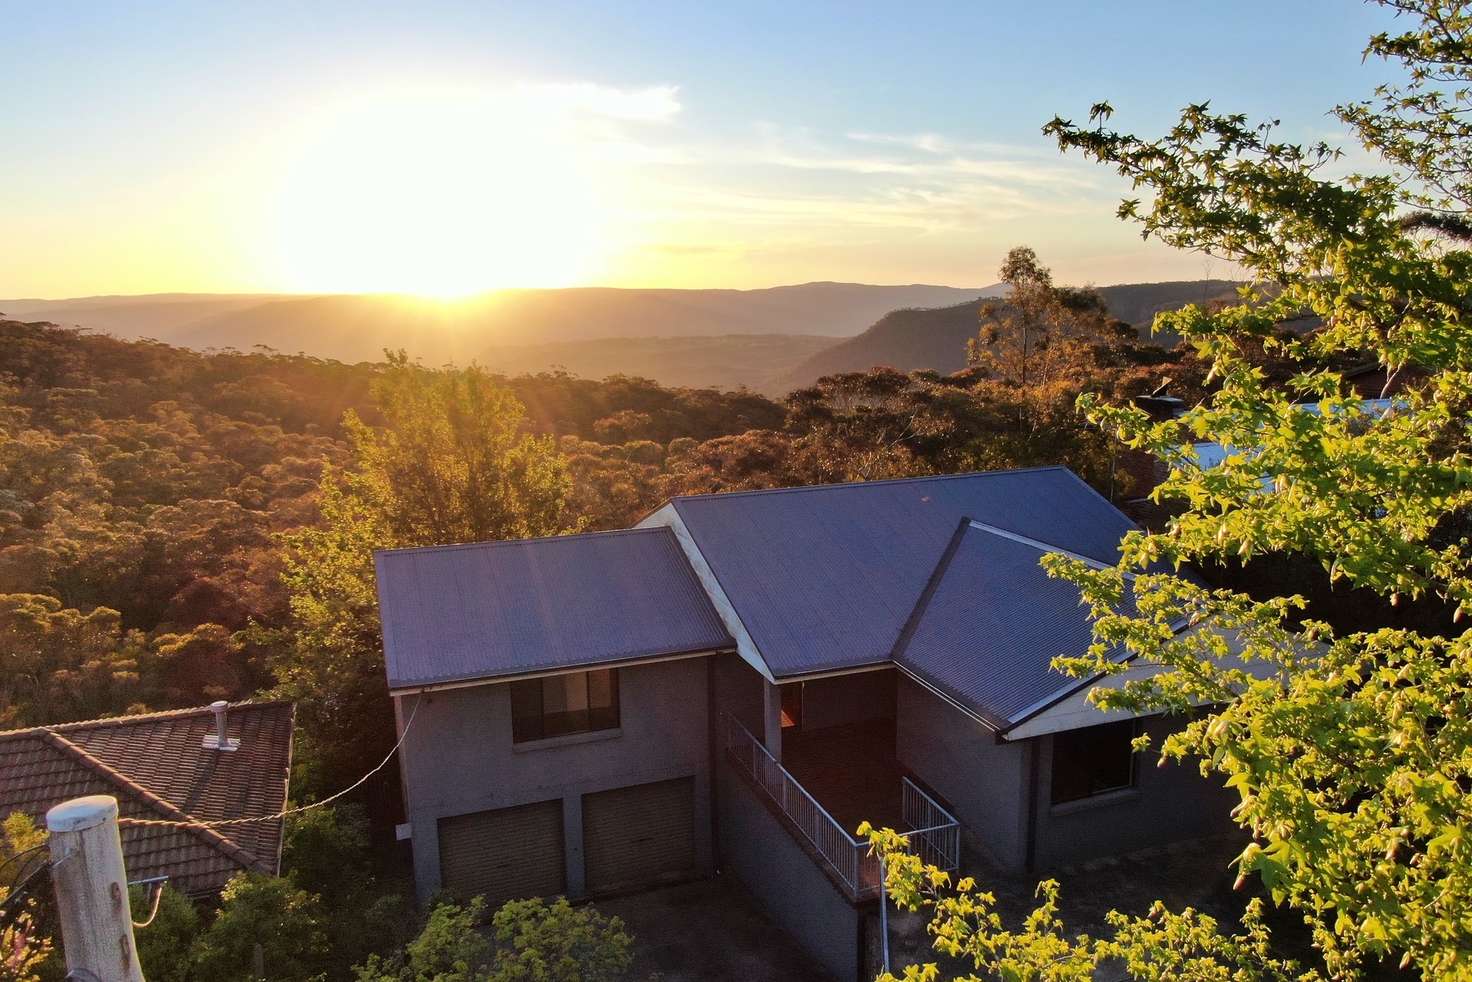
<point>156,766</point>
<point>495,609</point>
<point>990,623</point>
<point>826,577</point>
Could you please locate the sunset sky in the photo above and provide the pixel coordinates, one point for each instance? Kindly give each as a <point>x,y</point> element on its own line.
<point>447,148</point>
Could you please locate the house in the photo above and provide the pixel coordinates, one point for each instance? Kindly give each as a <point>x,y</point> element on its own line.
<point>1145,471</point>
<point>166,765</point>
<point>743,678</point>
<point>1208,454</point>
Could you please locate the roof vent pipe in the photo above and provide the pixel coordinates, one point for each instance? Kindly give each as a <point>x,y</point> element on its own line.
<point>218,740</point>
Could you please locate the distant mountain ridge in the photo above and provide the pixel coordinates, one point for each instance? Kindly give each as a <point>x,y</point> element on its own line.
<point>771,340</point>
<point>359,327</point>
<point>756,361</point>
<point>158,315</point>
<point>935,339</point>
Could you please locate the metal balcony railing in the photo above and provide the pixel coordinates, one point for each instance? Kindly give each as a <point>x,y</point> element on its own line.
<point>934,835</point>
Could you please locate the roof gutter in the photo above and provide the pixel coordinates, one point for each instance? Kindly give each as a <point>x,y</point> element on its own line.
<point>835,672</point>
<point>1048,702</point>
<point>467,683</point>
<point>949,700</point>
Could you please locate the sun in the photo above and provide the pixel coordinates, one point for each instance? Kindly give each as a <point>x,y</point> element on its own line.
<point>440,194</point>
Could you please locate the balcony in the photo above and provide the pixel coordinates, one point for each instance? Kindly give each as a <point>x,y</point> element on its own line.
<point>855,772</point>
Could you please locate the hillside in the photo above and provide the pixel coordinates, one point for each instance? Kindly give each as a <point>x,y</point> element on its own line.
<point>936,339</point>
<point>756,361</point>
<point>770,340</point>
<point>355,328</point>
<point>155,315</point>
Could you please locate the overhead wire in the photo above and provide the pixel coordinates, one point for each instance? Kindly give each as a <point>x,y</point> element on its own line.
<point>286,813</point>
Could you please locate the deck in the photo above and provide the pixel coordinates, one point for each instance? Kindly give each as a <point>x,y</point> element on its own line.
<point>851,770</point>
<point>832,780</point>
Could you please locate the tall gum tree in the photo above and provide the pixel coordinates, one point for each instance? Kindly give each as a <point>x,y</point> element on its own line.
<point>452,461</point>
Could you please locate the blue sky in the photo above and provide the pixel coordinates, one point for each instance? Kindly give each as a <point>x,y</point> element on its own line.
<point>241,147</point>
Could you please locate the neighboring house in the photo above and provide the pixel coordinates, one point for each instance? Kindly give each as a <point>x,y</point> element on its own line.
<point>1209,454</point>
<point>166,765</point>
<point>1146,471</point>
<point>743,678</point>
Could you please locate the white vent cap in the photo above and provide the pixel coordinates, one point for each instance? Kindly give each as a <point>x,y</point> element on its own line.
<point>218,740</point>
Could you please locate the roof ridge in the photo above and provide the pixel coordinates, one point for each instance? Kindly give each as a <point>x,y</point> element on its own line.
<point>922,603</point>
<point>966,526</point>
<point>491,543</point>
<point>1100,496</point>
<point>136,718</point>
<point>918,479</point>
<point>1038,544</point>
<point>159,804</point>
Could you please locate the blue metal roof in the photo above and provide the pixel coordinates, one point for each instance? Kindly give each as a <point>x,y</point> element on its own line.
<point>825,577</point>
<point>497,609</point>
<point>990,623</point>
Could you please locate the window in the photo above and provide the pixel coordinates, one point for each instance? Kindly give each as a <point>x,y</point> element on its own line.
<point>1092,761</point>
<point>561,704</point>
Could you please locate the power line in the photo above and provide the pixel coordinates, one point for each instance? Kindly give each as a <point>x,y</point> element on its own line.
<point>174,823</point>
<point>21,857</point>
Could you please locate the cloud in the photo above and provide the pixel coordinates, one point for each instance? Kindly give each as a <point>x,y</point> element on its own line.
<point>675,188</point>
<point>939,143</point>
<point>1019,171</point>
<point>933,156</point>
<point>650,104</point>
<point>926,142</point>
<point>685,249</point>
<point>924,183</point>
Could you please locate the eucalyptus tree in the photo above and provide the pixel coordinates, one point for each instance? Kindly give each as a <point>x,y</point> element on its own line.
<point>452,461</point>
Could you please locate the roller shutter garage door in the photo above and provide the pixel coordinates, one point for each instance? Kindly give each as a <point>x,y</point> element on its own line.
<point>504,854</point>
<point>639,836</point>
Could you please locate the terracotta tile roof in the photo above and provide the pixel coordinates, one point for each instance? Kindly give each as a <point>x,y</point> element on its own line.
<point>157,767</point>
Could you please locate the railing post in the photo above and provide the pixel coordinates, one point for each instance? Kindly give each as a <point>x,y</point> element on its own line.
<point>884,915</point>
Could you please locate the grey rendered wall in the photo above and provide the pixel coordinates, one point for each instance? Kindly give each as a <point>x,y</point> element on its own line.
<point>785,880</point>
<point>458,757</point>
<point>984,781</point>
<point>1166,804</point>
<point>848,699</point>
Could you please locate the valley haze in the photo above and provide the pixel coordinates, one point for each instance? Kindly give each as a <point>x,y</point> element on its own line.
<point>770,340</point>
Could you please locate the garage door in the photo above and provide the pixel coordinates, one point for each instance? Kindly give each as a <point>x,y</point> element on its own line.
<point>505,854</point>
<point>639,836</point>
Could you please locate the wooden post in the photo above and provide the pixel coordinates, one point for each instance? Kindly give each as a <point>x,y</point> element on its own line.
<point>92,890</point>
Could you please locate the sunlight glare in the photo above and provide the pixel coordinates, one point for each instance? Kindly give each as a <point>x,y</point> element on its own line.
<point>441,194</point>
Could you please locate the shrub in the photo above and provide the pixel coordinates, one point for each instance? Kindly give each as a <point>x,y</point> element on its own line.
<point>164,944</point>
<point>531,941</point>
<point>283,919</point>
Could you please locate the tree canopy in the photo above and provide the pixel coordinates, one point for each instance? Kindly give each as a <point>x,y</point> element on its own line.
<point>451,462</point>
<point>1351,757</point>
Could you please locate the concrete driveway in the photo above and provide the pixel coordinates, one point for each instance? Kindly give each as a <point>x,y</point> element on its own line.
<point>709,929</point>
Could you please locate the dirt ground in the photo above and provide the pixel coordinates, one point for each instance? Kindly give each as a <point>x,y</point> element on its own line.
<point>707,930</point>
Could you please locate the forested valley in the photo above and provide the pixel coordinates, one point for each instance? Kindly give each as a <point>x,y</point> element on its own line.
<point>145,489</point>
<point>194,519</point>
<point>178,527</point>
